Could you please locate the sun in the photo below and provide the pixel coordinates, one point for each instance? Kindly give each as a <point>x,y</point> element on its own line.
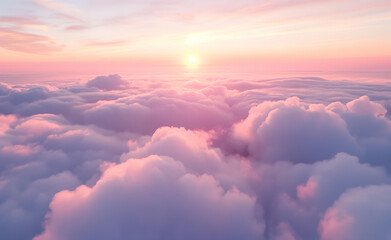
<point>192,60</point>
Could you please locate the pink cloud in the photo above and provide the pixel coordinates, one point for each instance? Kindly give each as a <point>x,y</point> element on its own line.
<point>28,42</point>
<point>272,126</point>
<point>21,21</point>
<point>161,187</point>
<point>5,122</point>
<point>363,105</point>
<point>21,150</point>
<point>76,28</point>
<point>358,214</point>
<point>308,190</point>
<point>110,82</point>
<point>285,232</point>
<point>191,149</point>
<point>37,125</point>
<point>106,44</point>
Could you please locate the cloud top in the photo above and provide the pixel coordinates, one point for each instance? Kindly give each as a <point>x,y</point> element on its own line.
<point>110,82</point>
<point>223,159</point>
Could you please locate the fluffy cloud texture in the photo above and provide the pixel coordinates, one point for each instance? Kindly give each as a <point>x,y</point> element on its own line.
<point>152,198</point>
<point>357,214</point>
<point>281,159</point>
<point>111,82</point>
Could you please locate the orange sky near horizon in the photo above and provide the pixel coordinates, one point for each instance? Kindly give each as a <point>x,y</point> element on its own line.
<point>282,34</point>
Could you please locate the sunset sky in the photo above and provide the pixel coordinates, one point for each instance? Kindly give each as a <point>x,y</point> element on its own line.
<point>351,33</point>
<point>195,120</point>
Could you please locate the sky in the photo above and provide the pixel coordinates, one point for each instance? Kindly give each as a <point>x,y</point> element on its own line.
<point>298,34</point>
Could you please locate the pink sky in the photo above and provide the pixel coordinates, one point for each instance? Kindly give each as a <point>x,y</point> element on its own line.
<point>282,34</point>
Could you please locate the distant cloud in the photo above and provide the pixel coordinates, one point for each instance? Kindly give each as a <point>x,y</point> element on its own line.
<point>76,28</point>
<point>23,22</point>
<point>110,82</point>
<point>106,44</point>
<point>65,9</point>
<point>28,42</point>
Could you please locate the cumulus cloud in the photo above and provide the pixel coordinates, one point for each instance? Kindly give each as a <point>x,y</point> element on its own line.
<point>191,148</point>
<point>305,134</point>
<point>24,204</point>
<point>302,192</point>
<point>5,121</point>
<point>195,151</point>
<point>360,213</point>
<point>4,89</point>
<point>110,82</point>
<point>225,159</point>
<point>363,105</point>
<point>40,156</point>
<point>147,112</point>
<point>289,130</point>
<point>152,198</point>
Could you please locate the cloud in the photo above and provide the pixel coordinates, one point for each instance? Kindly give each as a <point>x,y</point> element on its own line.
<point>359,214</point>
<point>4,89</point>
<point>19,23</point>
<point>363,105</point>
<point>76,28</point>
<point>106,44</point>
<point>193,159</point>
<point>152,198</point>
<point>270,132</point>
<point>289,131</point>
<point>191,148</point>
<point>28,42</point>
<point>5,121</point>
<point>295,196</point>
<point>194,150</point>
<point>40,156</point>
<point>17,211</point>
<point>65,9</point>
<point>110,82</point>
<point>144,113</point>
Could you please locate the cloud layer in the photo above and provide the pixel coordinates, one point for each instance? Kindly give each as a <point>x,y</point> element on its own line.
<point>138,159</point>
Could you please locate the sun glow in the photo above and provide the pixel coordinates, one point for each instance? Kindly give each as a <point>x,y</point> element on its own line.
<point>192,60</point>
